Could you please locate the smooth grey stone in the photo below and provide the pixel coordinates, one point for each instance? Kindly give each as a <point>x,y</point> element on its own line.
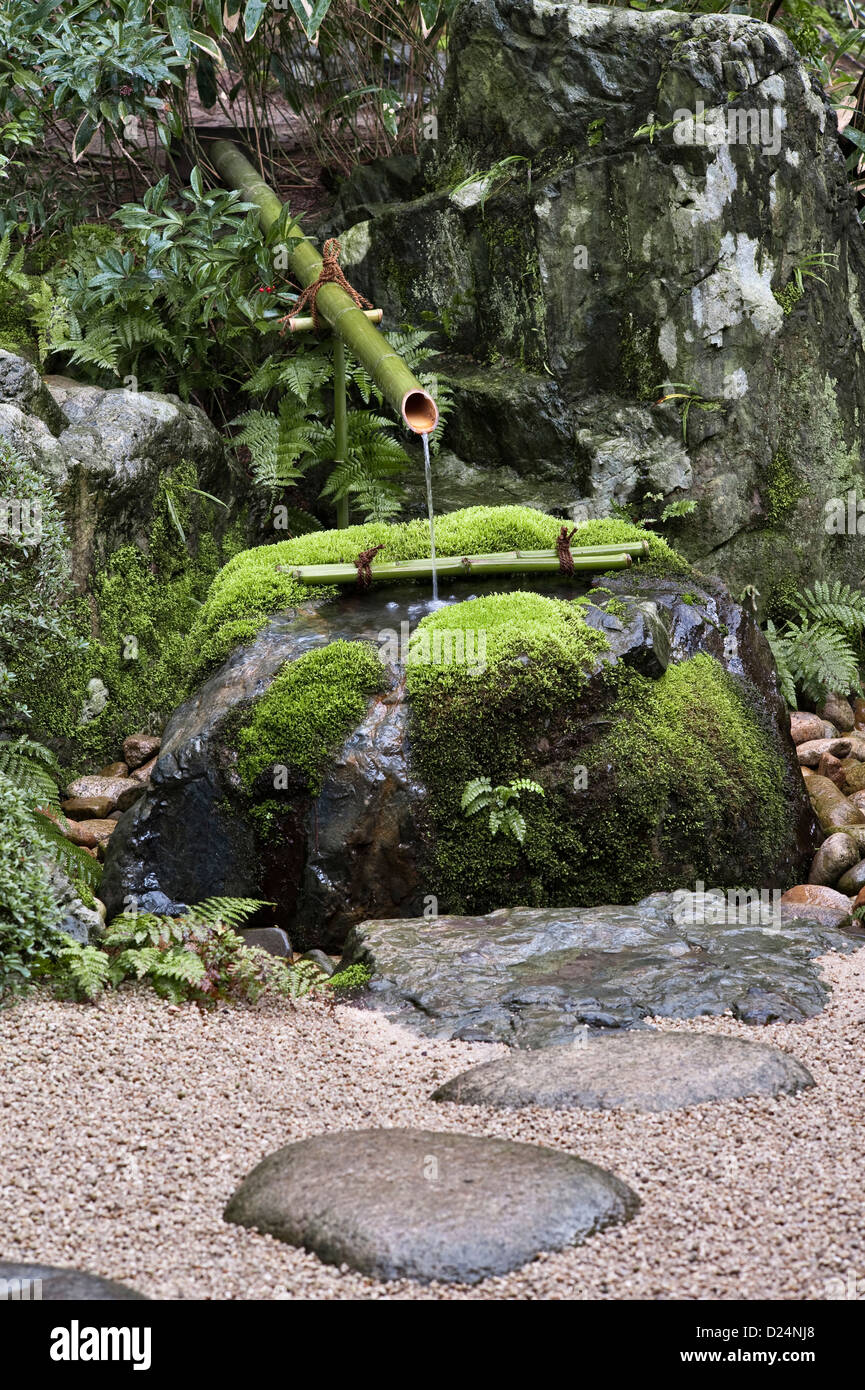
<point>630,1071</point>
<point>271,939</point>
<point>60,1285</point>
<point>319,958</point>
<point>415,1204</point>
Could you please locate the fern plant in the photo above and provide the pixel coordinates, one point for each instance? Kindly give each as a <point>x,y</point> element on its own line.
<point>198,957</point>
<point>481,795</point>
<point>34,770</point>
<point>819,651</point>
<point>284,445</point>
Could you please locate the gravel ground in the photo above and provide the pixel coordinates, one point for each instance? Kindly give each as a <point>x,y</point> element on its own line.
<point>125,1127</point>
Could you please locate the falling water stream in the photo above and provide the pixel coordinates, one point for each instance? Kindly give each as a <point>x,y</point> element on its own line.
<point>432,520</point>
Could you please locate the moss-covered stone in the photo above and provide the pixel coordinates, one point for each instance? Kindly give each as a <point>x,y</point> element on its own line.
<point>133,631</point>
<point>784,488</point>
<point>649,784</point>
<point>251,587</point>
<point>308,711</point>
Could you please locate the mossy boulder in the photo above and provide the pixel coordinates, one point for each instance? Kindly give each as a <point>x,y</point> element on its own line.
<point>322,765</point>
<point>581,243</point>
<point>106,453</point>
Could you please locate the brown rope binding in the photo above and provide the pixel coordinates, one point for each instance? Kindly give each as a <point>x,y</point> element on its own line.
<point>330,275</point>
<point>563,550</point>
<point>363,567</point>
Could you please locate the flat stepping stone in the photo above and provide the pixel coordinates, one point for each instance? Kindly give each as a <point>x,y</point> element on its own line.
<point>48,1283</point>
<point>535,977</point>
<point>631,1071</point>
<point>415,1204</point>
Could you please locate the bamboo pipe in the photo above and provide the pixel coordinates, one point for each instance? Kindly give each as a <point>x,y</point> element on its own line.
<point>515,562</point>
<point>399,387</point>
<point>306,325</point>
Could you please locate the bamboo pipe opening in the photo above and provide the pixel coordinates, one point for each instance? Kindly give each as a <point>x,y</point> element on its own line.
<point>420,411</point>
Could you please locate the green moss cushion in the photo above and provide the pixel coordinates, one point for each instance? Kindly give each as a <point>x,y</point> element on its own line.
<point>250,589</point>
<point>309,710</point>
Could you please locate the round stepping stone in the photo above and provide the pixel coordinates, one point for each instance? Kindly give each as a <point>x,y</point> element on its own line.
<point>630,1071</point>
<point>47,1283</point>
<point>414,1204</point>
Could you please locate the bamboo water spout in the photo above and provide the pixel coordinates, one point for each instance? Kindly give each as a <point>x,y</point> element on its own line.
<point>399,386</point>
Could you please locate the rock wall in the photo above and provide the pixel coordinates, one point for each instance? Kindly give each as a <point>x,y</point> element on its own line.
<point>104,451</point>
<point>672,175</point>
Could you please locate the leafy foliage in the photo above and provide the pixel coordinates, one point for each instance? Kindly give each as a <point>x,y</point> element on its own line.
<point>481,795</point>
<point>28,910</point>
<point>352,978</point>
<point>34,581</point>
<point>34,771</point>
<point>174,302</point>
<point>286,444</point>
<point>198,957</point>
<point>820,651</point>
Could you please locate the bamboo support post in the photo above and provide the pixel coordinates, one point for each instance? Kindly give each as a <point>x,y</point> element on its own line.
<point>302,324</point>
<point>340,422</point>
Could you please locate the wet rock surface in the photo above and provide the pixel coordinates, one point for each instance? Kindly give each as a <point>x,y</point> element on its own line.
<point>631,1071</point>
<point>403,1203</point>
<point>355,850</point>
<point>537,977</point>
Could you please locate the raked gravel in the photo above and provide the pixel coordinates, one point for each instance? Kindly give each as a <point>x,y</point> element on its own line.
<point>125,1127</point>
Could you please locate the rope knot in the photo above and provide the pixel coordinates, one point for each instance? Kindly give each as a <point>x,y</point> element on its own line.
<point>363,566</point>
<point>563,550</point>
<point>331,274</point>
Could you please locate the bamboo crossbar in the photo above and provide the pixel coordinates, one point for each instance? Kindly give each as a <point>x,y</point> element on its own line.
<point>509,562</point>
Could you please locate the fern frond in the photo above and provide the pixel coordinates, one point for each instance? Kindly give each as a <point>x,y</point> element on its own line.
<point>74,859</point>
<point>835,605</point>
<point>34,769</point>
<point>98,348</point>
<point>778,648</point>
<point>135,330</point>
<point>183,967</point>
<point>229,912</point>
<point>135,960</point>
<point>820,659</point>
<point>525,784</point>
<point>476,795</point>
<point>84,970</point>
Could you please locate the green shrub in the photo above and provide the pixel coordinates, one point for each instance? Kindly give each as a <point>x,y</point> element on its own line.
<point>35,628</point>
<point>352,978</point>
<point>28,911</point>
